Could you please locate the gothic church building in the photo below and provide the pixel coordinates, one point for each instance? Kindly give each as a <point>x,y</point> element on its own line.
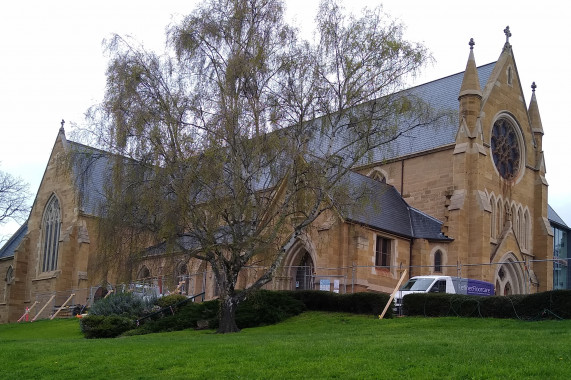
<point>468,198</point>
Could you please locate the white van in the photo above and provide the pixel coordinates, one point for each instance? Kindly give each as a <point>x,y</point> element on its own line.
<point>443,284</point>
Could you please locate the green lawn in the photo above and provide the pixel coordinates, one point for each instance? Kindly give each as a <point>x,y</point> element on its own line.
<point>312,345</point>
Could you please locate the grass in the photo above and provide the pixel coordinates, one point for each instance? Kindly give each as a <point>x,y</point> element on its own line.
<point>312,345</point>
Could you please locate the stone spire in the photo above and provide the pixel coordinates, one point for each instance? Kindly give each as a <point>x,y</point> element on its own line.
<point>534,117</point>
<point>471,82</point>
<point>470,96</point>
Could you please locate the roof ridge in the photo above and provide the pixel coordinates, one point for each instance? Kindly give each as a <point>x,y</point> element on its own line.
<point>14,237</point>
<point>425,214</point>
<point>91,147</point>
<point>447,76</point>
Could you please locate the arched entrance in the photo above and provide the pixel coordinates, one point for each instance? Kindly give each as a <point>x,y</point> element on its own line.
<point>144,273</point>
<point>304,273</point>
<point>509,278</point>
<point>299,268</point>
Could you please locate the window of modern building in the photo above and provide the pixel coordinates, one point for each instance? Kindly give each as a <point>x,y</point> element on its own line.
<point>561,259</point>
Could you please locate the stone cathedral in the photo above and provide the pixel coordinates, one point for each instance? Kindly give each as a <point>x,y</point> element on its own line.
<point>469,198</point>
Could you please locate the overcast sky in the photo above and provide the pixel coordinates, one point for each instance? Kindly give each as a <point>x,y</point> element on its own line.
<point>52,64</point>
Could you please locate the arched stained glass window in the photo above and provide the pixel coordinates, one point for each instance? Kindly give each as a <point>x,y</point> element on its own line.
<point>51,224</point>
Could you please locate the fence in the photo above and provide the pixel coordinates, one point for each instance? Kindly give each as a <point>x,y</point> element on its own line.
<point>345,279</point>
<point>337,279</point>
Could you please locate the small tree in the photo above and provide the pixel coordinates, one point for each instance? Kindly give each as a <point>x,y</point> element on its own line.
<point>244,136</point>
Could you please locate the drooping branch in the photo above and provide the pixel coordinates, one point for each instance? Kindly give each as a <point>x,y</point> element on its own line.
<point>234,144</point>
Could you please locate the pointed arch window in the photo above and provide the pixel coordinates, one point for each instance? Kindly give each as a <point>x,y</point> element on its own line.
<point>493,217</point>
<point>519,227</point>
<point>144,273</point>
<point>526,229</point>
<point>51,225</point>
<point>501,217</point>
<point>10,275</point>
<point>438,261</point>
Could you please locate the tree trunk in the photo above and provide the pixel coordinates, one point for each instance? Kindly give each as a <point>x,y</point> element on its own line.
<point>227,321</point>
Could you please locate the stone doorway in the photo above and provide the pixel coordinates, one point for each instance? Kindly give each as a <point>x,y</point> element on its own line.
<point>509,277</point>
<point>304,273</point>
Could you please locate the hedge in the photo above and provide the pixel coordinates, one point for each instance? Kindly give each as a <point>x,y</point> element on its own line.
<point>555,304</point>
<point>265,307</point>
<point>357,303</point>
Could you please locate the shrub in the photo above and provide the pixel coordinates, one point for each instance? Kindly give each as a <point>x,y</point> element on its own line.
<point>560,303</point>
<point>359,303</point>
<point>551,304</point>
<point>264,307</point>
<point>101,326</point>
<point>186,316</point>
<point>499,306</point>
<point>260,308</point>
<point>170,300</point>
<point>122,304</point>
<point>437,304</point>
<point>365,303</point>
<point>317,300</point>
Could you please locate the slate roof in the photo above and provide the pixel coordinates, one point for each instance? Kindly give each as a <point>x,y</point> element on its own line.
<point>416,133</point>
<point>8,249</point>
<point>187,242</point>
<point>372,203</point>
<point>384,209</point>
<point>554,218</point>
<point>441,95</point>
<point>92,168</point>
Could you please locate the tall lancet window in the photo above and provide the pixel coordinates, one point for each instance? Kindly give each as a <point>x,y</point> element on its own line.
<point>50,232</point>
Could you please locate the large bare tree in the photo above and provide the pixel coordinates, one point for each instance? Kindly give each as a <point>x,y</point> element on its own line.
<point>243,135</point>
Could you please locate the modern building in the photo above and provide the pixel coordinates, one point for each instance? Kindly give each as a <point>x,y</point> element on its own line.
<point>561,252</point>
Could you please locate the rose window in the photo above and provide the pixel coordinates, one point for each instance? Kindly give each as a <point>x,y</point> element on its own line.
<point>505,149</point>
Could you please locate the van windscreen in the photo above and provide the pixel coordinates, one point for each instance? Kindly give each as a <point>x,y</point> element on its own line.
<point>418,284</point>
